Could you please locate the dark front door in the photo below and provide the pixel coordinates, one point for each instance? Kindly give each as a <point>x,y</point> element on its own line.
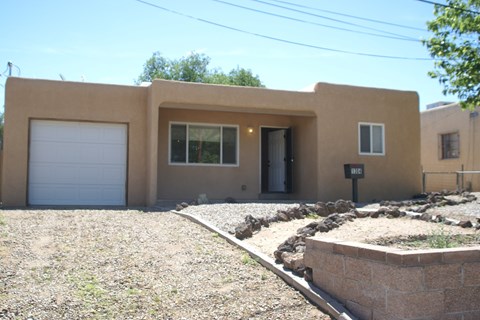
<point>277,160</point>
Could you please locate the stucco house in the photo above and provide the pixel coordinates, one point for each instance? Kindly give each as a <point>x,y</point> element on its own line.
<point>450,138</point>
<point>69,143</point>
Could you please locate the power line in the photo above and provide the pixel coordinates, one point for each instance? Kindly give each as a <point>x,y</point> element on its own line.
<point>351,16</point>
<point>318,24</point>
<point>448,6</point>
<point>279,39</point>
<point>328,18</point>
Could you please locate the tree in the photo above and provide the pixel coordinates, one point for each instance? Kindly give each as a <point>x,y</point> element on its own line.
<point>456,48</point>
<point>194,68</point>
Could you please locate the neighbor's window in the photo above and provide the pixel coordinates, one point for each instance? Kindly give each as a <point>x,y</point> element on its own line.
<point>450,144</point>
<point>203,144</point>
<point>371,138</point>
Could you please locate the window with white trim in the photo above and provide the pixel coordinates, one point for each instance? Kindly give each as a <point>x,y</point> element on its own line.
<point>450,145</point>
<point>192,143</point>
<point>371,138</point>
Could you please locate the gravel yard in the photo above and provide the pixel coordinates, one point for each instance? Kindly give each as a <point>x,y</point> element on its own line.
<point>129,264</point>
<point>105,264</point>
<point>227,216</point>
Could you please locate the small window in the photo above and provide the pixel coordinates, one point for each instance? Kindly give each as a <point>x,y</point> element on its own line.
<point>450,145</point>
<point>203,144</point>
<point>371,139</point>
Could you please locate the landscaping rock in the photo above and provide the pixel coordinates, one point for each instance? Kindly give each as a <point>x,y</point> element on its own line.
<point>322,227</point>
<point>426,217</point>
<point>374,214</point>
<point>465,224</point>
<point>342,206</point>
<point>254,222</point>
<point>306,231</point>
<point>283,216</point>
<point>321,209</point>
<point>361,214</point>
<point>264,222</point>
<point>423,208</point>
<point>331,207</point>
<point>243,231</point>
<point>293,261</point>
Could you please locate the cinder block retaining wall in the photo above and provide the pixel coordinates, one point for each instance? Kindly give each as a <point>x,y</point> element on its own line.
<point>376,282</point>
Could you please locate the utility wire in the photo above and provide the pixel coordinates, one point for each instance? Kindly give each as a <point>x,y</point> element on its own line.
<point>328,18</point>
<point>279,39</point>
<point>448,6</point>
<point>317,24</point>
<point>351,16</point>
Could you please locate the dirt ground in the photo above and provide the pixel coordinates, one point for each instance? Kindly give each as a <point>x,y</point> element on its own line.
<point>114,264</point>
<point>367,229</point>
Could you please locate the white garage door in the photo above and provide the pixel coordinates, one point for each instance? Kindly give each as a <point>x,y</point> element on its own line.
<point>77,163</point>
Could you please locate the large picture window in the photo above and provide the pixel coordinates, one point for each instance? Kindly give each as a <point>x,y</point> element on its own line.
<point>371,138</point>
<point>450,145</point>
<point>203,144</point>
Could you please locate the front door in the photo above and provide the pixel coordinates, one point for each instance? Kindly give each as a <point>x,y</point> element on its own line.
<point>276,160</point>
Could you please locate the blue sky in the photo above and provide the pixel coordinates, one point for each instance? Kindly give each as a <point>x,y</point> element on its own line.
<point>108,41</point>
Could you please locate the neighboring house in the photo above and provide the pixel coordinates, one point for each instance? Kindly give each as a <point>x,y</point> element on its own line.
<point>69,143</point>
<point>450,143</point>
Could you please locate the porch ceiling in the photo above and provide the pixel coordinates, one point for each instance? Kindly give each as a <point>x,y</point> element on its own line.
<point>240,109</point>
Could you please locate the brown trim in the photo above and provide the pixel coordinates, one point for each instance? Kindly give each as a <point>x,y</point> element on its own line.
<point>28,160</point>
<point>127,157</point>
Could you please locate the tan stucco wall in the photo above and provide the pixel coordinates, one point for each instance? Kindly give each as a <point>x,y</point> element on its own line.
<point>184,182</point>
<point>54,100</point>
<point>324,122</point>
<point>397,174</point>
<point>450,119</point>
<point>337,110</point>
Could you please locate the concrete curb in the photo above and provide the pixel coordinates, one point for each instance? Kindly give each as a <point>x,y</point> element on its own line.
<point>320,298</point>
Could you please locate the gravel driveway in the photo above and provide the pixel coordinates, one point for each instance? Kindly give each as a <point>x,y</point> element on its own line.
<point>104,264</point>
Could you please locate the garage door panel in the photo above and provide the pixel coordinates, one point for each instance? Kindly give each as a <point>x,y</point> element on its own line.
<point>90,133</point>
<point>62,194</point>
<point>113,175</point>
<point>53,131</point>
<point>77,163</point>
<point>45,194</point>
<point>112,154</point>
<point>89,153</point>
<point>111,193</point>
<point>49,173</point>
<point>114,135</point>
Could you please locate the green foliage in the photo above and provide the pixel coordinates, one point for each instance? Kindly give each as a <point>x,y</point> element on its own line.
<point>312,215</point>
<point>455,47</point>
<point>441,239</point>
<point>247,260</point>
<point>194,68</point>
